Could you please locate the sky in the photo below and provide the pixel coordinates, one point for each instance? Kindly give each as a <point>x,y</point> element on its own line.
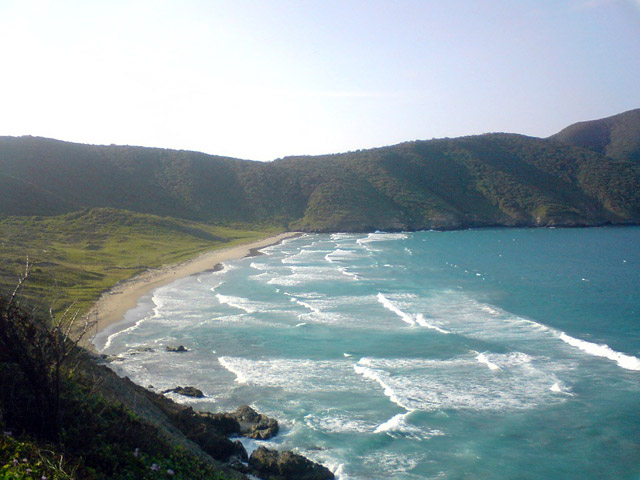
<point>265,79</point>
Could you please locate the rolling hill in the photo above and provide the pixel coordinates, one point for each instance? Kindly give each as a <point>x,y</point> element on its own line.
<point>578,177</point>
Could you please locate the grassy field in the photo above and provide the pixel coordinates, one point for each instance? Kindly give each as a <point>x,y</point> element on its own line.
<point>77,256</point>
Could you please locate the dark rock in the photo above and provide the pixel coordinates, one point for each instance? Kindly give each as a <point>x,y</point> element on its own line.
<point>186,391</point>
<point>104,359</point>
<point>179,348</point>
<point>222,422</point>
<point>254,424</point>
<point>218,446</point>
<point>246,422</point>
<point>239,464</point>
<point>139,350</point>
<point>272,465</point>
<point>208,432</point>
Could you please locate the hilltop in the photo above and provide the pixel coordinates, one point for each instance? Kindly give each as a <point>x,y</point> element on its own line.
<point>617,136</point>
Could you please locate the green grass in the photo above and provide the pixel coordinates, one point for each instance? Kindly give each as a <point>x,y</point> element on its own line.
<point>77,256</point>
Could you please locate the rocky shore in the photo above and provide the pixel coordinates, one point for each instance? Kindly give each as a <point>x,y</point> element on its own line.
<point>213,437</point>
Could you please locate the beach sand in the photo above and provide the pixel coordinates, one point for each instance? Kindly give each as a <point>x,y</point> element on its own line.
<point>112,305</point>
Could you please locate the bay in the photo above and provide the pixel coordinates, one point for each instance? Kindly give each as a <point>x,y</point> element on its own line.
<point>485,354</point>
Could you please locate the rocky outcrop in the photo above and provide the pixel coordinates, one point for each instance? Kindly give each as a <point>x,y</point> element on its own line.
<point>274,465</point>
<point>254,424</point>
<point>206,434</point>
<point>209,431</point>
<point>186,391</point>
<point>244,422</point>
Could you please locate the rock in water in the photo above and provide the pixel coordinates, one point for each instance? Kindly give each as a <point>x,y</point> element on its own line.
<point>179,348</point>
<point>287,465</point>
<point>186,391</point>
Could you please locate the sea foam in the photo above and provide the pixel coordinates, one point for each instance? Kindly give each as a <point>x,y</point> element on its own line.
<point>407,317</point>
<point>482,358</point>
<point>420,320</point>
<point>400,426</point>
<point>389,305</point>
<point>628,362</point>
<point>463,382</point>
<point>331,422</point>
<point>237,302</point>
<point>339,254</point>
<point>292,375</point>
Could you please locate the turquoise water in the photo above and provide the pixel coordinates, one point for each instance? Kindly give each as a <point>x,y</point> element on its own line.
<point>488,354</point>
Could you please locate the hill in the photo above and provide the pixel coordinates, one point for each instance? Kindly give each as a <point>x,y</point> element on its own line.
<point>487,180</point>
<point>617,136</point>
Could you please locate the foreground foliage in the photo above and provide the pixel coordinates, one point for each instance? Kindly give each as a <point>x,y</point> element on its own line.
<point>89,437</point>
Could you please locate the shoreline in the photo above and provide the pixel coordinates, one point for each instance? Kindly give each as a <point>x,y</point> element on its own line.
<point>113,304</point>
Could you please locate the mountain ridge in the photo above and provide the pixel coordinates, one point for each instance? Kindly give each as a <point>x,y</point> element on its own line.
<point>496,179</point>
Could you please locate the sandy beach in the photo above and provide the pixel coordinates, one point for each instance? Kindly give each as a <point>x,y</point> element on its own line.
<point>112,305</point>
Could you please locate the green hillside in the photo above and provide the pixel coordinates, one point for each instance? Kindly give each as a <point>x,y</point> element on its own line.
<point>497,179</point>
<point>47,177</point>
<point>617,136</point>
<point>76,256</point>
<point>494,179</point>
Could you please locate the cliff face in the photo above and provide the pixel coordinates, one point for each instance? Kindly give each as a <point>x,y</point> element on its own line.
<point>588,174</point>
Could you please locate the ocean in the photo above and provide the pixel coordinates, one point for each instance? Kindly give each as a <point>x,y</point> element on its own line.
<point>478,354</point>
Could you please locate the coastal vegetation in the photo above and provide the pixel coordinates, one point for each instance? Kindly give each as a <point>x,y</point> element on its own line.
<point>89,216</point>
<point>77,256</point>
<point>63,415</point>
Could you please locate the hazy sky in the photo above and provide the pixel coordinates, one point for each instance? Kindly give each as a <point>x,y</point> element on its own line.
<point>265,79</point>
